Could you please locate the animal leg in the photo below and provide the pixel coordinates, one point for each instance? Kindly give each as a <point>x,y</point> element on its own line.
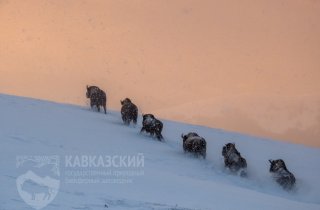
<point>159,136</point>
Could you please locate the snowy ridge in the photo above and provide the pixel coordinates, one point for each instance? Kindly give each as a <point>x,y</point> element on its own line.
<point>171,179</point>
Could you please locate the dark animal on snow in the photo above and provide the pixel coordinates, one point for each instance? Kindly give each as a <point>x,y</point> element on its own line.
<point>281,174</point>
<point>195,144</point>
<point>233,159</point>
<point>97,97</point>
<point>152,125</point>
<point>129,111</point>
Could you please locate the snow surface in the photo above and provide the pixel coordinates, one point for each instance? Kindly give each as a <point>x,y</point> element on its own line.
<point>170,180</point>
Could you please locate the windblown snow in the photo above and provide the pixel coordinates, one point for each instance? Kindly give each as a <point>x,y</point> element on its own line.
<point>141,172</point>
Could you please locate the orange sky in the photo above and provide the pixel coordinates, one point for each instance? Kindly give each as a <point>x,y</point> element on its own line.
<point>249,66</point>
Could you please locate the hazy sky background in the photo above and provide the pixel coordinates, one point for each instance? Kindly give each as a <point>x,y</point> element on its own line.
<point>249,66</point>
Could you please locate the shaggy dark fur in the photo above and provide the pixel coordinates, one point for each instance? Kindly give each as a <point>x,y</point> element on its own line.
<point>152,125</point>
<point>281,174</point>
<point>195,144</point>
<point>97,97</point>
<point>129,111</point>
<point>233,159</point>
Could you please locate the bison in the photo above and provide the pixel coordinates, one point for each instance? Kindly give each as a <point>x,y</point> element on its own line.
<point>233,159</point>
<point>195,144</point>
<point>129,111</point>
<point>281,174</point>
<point>97,97</point>
<point>152,125</point>
<point>35,189</point>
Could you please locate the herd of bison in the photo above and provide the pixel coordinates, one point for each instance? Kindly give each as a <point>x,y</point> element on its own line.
<point>192,142</point>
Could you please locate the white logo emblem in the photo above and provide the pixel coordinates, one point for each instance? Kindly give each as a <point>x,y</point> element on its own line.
<point>38,190</point>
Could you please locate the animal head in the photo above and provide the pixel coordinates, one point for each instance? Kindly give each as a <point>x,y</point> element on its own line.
<point>191,134</point>
<point>91,90</point>
<point>276,165</point>
<point>228,148</point>
<point>146,116</point>
<point>125,101</point>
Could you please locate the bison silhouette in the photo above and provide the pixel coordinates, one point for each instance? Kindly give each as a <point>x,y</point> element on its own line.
<point>195,144</point>
<point>152,125</point>
<point>34,188</point>
<point>233,159</point>
<point>97,97</point>
<point>281,174</point>
<point>129,111</point>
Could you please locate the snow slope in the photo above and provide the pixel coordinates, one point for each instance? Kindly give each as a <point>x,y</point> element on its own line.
<point>170,179</point>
